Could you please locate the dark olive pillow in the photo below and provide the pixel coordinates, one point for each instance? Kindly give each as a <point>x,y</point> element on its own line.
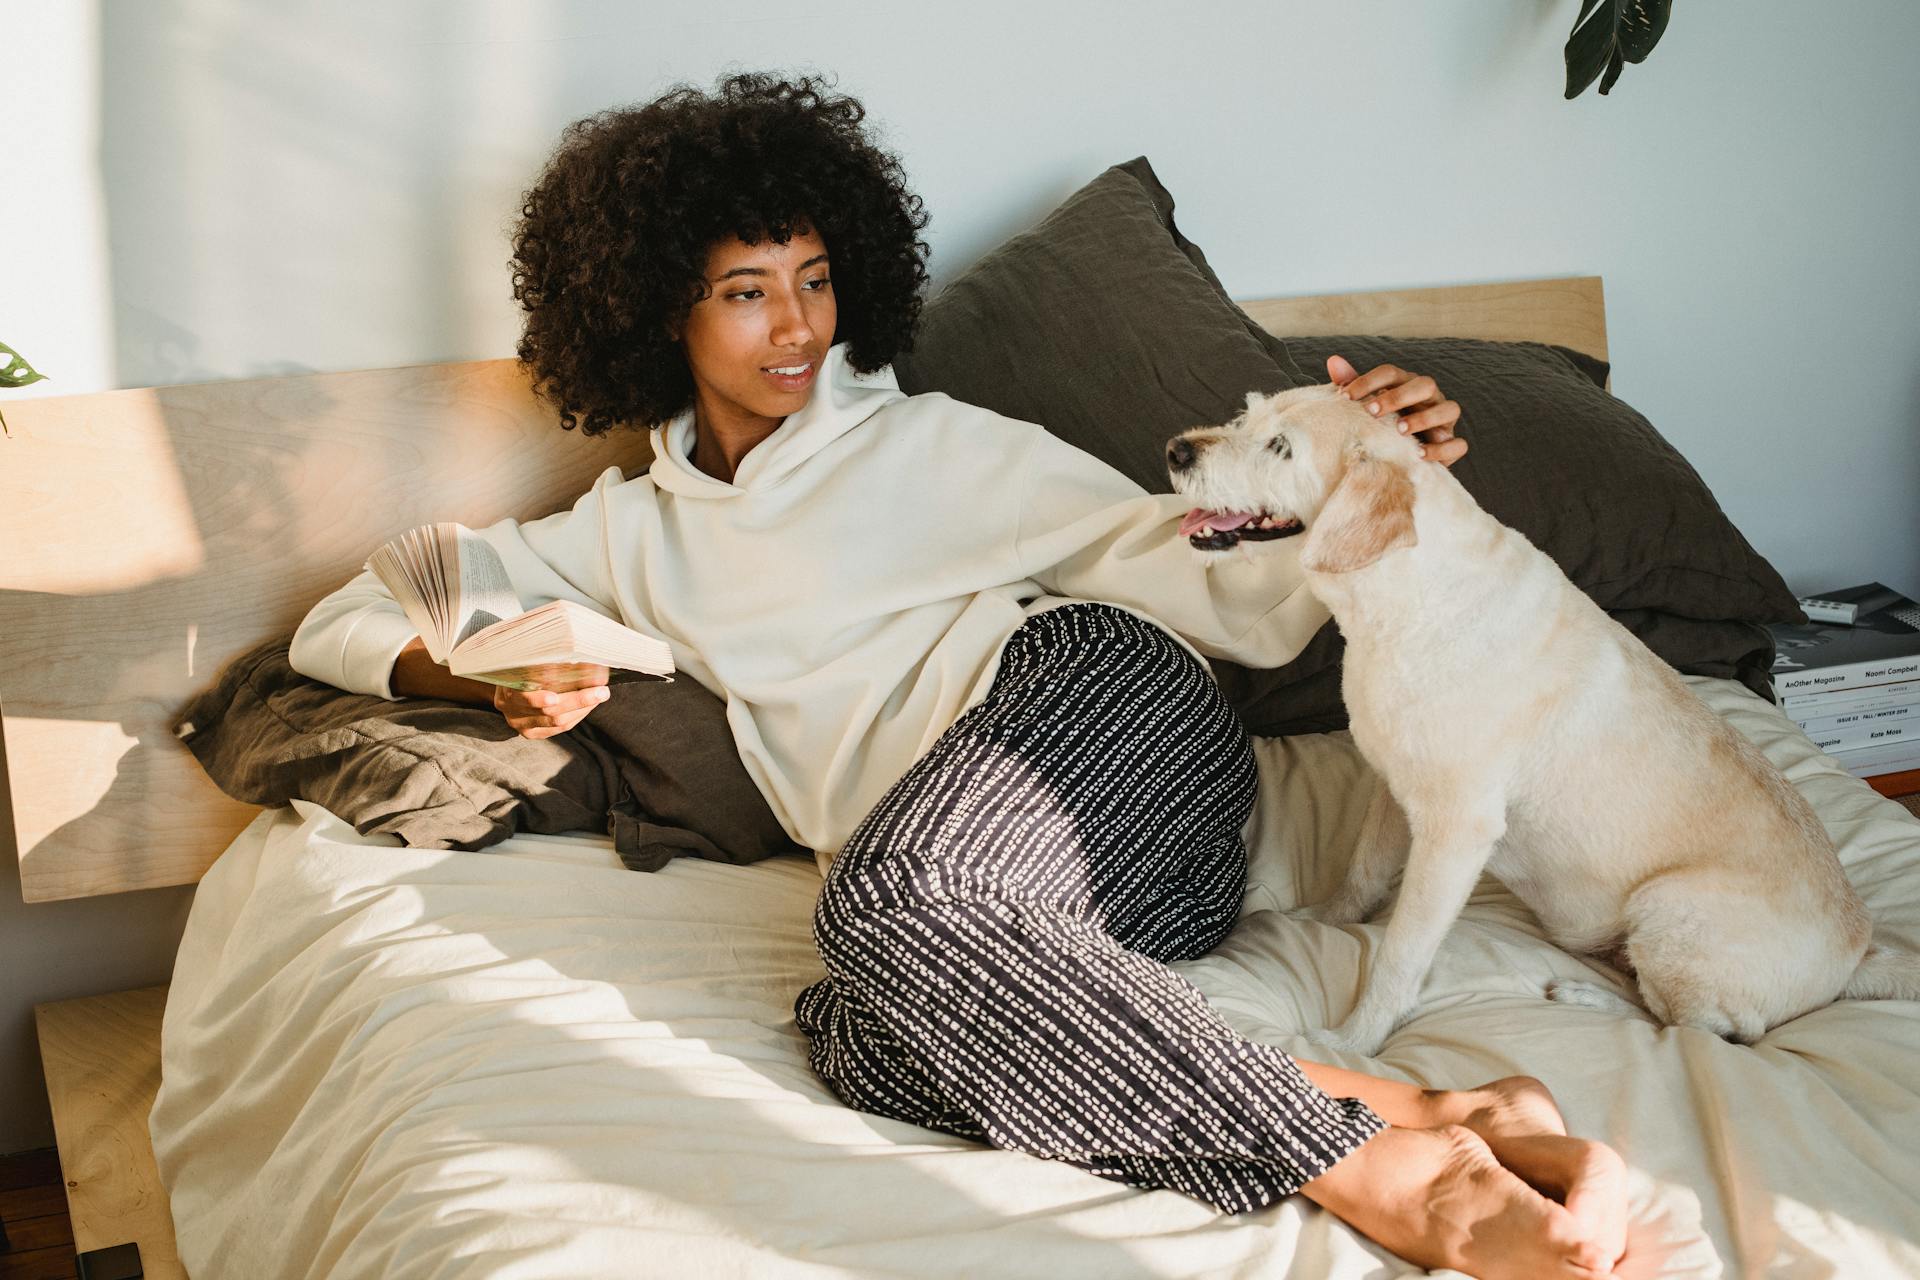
<point>1100,326</point>
<point>1105,325</point>
<point>654,766</point>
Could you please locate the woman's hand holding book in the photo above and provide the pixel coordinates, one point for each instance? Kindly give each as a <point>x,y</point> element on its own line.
<point>565,692</point>
<point>541,713</point>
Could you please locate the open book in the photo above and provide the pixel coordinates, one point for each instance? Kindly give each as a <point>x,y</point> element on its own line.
<point>456,592</point>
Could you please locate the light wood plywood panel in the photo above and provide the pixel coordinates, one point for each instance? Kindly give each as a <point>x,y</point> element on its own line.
<point>1568,312</point>
<point>102,1061</point>
<point>148,536</point>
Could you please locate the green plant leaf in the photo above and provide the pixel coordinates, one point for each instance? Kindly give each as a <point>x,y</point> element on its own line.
<point>17,372</point>
<point>1641,27</point>
<point>1589,46</point>
<point>1607,34</point>
<point>1614,66</point>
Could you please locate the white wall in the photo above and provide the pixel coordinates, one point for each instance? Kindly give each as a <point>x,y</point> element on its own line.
<point>197,189</point>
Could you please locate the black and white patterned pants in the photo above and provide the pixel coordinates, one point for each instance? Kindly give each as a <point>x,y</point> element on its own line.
<point>996,932</point>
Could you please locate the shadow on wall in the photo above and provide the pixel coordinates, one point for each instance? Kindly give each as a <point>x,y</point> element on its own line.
<point>277,185</point>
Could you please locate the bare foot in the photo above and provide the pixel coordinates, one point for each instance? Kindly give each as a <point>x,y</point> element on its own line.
<point>1439,1198</point>
<point>1521,1125</point>
<point>1589,1178</point>
<point>1513,1105</point>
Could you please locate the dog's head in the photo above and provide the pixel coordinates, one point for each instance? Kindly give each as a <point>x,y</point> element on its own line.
<point>1305,461</point>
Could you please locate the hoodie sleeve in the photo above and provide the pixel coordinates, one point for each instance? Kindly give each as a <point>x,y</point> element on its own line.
<point>1089,533</point>
<point>351,638</point>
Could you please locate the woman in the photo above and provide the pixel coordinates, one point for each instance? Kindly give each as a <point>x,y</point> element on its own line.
<point>959,659</point>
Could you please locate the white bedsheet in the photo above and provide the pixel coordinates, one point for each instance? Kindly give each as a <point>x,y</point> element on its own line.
<point>529,1062</point>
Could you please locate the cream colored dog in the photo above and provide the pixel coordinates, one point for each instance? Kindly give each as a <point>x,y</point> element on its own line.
<point>1524,732</point>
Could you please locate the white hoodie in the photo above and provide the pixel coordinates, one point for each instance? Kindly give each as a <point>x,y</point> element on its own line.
<point>849,592</point>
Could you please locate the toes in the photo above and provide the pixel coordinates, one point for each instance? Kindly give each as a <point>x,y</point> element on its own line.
<point>1576,1247</point>
<point>1583,1251</point>
<point>1597,1200</point>
<point>1590,1179</point>
<point>1510,1230</point>
<point>1568,1247</point>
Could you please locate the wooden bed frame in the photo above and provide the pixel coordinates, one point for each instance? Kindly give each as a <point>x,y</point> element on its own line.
<point>152,535</point>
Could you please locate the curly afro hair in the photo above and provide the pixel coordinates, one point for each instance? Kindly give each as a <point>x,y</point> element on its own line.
<point>611,248</point>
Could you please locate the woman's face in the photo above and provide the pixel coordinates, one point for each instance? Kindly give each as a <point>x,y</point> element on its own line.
<point>755,342</point>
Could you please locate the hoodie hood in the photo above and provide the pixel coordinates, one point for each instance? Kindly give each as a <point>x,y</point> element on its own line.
<point>842,399</point>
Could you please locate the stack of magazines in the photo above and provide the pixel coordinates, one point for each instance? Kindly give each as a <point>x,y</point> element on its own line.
<point>1855,690</point>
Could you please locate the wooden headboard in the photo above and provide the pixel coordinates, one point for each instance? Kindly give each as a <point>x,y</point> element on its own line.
<point>146,537</point>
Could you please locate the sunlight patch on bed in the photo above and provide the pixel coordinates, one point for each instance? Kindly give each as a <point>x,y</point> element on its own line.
<point>1806,1239</point>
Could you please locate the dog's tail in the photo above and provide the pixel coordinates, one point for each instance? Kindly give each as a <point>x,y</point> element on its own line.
<point>1885,973</point>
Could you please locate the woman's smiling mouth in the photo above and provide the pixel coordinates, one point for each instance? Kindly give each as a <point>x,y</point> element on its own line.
<point>791,377</point>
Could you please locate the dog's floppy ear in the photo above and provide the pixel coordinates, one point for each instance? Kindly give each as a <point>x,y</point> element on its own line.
<point>1369,513</point>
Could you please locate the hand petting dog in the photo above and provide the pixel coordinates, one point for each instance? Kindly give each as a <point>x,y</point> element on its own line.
<point>1424,413</point>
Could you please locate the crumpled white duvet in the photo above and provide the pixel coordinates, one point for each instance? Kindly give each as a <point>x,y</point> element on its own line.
<point>529,1062</point>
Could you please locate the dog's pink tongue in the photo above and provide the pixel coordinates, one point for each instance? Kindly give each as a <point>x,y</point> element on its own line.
<point>1196,520</point>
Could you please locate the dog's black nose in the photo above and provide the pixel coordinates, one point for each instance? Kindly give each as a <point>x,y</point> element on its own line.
<point>1180,455</point>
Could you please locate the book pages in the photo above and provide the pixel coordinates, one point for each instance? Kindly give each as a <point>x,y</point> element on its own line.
<point>486,593</point>
<point>528,651</point>
<point>410,569</point>
<point>457,593</point>
<point>449,580</point>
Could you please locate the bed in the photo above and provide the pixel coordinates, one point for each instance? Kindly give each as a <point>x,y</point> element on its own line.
<point>528,1061</point>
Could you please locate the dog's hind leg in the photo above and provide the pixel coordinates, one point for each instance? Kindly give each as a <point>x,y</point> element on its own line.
<point>1379,853</point>
<point>1712,956</point>
<point>1449,851</point>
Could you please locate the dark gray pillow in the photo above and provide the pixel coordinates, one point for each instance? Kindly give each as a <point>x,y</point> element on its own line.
<point>1098,325</point>
<point>654,766</point>
<point>1105,325</point>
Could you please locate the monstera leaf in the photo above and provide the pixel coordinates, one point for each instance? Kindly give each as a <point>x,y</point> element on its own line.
<point>16,372</point>
<point>1607,35</point>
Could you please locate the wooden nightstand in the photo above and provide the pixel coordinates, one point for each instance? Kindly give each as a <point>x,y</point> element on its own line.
<point>102,1061</point>
<point>1904,787</point>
